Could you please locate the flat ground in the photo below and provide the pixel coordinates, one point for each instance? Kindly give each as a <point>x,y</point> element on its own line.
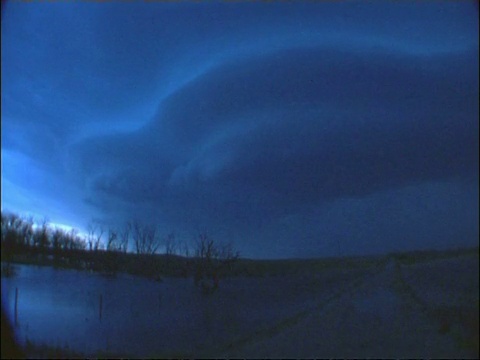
<point>401,311</point>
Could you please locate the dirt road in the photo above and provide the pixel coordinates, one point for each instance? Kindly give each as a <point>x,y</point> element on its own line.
<point>378,317</point>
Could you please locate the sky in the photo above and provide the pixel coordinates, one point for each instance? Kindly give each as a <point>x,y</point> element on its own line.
<point>292,129</point>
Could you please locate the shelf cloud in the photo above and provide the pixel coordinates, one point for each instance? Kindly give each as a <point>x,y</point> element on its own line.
<point>293,129</point>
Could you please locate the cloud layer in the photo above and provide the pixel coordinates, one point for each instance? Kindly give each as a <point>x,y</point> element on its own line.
<point>283,132</point>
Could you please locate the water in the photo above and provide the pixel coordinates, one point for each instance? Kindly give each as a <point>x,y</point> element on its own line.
<point>62,308</point>
<point>145,318</point>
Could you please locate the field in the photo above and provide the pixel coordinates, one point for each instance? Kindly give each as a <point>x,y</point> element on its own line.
<point>418,305</point>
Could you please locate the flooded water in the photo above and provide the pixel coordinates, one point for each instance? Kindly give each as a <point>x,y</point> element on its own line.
<point>134,316</point>
<point>83,311</point>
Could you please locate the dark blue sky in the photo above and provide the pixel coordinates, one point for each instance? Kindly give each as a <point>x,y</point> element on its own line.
<point>293,129</point>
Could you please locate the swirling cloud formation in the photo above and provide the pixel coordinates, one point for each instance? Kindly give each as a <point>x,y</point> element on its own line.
<point>294,129</point>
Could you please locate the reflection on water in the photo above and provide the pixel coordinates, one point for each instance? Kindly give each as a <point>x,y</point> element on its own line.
<point>144,318</point>
<point>63,307</point>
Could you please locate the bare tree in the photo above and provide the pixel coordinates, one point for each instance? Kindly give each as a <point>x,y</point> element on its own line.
<point>124,237</point>
<point>57,237</point>
<point>41,236</point>
<point>209,250</point>
<point>76,242</point>
<point>185,249</point>
<point>113,246</point>
<point>170,244</point>
<point>227,254</point>
<point>26,231</point>
<point>94,236</point>
<point>205,248</point>
<point>90,235</point>
<point>112,240</point>
<point>11,224</point>
<point>64,240</point>
<point>11,230</point>
<point>98,238</point>
<point>212,260</point>
<point>145,238</point>
<point>188,262</point>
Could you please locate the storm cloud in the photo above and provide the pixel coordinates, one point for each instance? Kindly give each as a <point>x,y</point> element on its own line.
<point>305,130</point>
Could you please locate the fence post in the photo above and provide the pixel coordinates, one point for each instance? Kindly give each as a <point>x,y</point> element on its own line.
<point>100,308</point>
<point>16,305</point>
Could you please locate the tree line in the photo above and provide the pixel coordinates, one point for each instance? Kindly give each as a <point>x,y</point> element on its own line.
<point>133,248</point>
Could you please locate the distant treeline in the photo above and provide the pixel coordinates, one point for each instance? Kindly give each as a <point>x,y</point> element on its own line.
<point>23,241</point>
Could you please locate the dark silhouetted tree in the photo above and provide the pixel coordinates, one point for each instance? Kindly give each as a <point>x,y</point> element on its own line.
<point>124,237</point>
<point>170,244</point>
<point>94,236</point>
<point>41,235</point>
<point>112,240</point>
<point>212,260</point>
<point>145,238</point>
